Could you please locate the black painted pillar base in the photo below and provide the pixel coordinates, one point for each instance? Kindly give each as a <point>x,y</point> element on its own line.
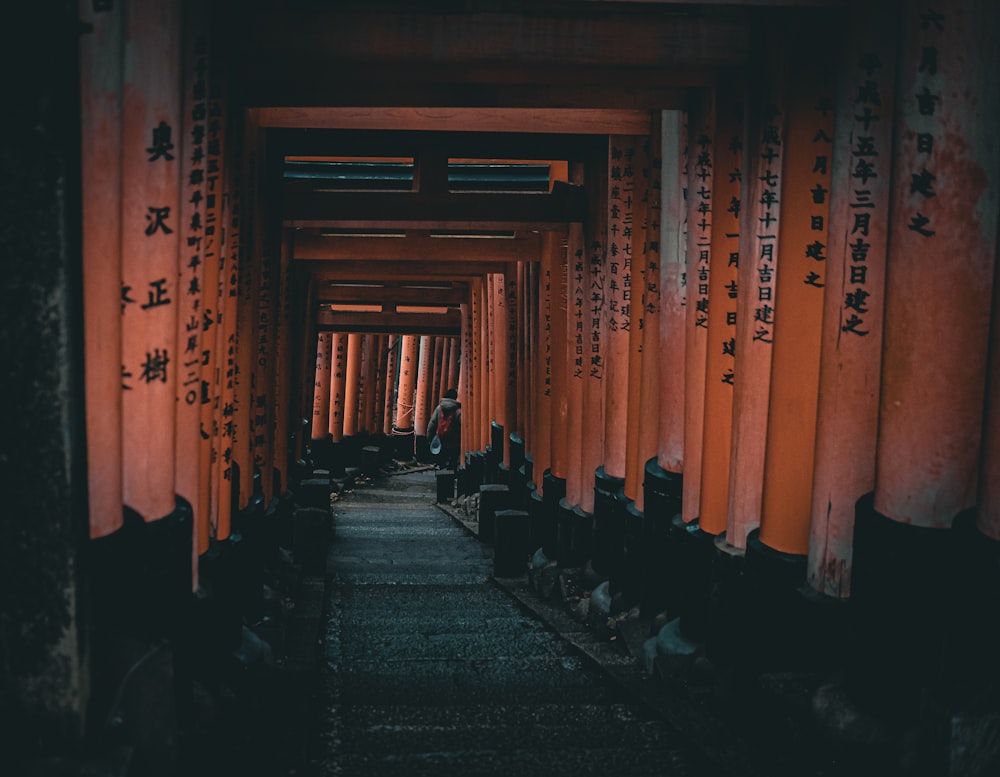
<point>321,452</point>
<point>662,501</point>
<point>574,535</point>
<point>553,490</point>
<point>633,557</point>
<point>899,602</point>
<point>609,524</point>
<point>403,445</point>
<point>694,552</point>
<point>422,448</point>
<point>492,498</point>
<point>972,640</point>
<point>536,520</point>
<point>475,472</point>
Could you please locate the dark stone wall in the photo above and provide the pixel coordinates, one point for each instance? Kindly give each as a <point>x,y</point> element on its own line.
<point>42,461</point>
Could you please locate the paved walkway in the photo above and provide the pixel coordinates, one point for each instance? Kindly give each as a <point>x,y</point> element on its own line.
<point>432,669</point>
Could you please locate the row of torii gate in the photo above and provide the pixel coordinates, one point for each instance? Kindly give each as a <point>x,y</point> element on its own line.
<point>774,324</point>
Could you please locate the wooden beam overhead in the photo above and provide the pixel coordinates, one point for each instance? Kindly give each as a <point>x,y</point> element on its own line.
<point>323,270</point>
<point>394,295</point>
<point>574,121</point>
<point>563,205</point>
<point>414,248</point>
<point>449,323</point>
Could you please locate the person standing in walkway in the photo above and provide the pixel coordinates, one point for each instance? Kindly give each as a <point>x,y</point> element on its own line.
<point>446,426</point>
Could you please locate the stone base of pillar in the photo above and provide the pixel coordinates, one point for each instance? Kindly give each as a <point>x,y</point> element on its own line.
<point>370,460</point>
<point>445,482</point>
<point>320,451</point>
<point>662,501</point>
<point>502,474</point>
<point>634,555</point>
<point>510,547</point>
<point>900,583</point>
<point>403,446</point>
<point>609,524</point>
<point>553,490</point>
<point>422,448</point>
<point>490,465</point>
<point>972,641</point>
<point>574,535</point>
<point>492,497</point>
<point>536,520</point>
<point>248,523</point>
<point>694,552</point>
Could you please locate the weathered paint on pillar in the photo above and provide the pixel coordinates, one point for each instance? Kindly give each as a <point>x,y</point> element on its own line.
<point>578,480</point>
<point>634,284</point>
<point>673,257</point>
<point>722,304</point>
<point>281,407</point>
<point>988,505</point>
<point>617,319</point>
<point>193,295</point>
<point>391,373</point>
<point>561,361</point>
<point>761,205</point>
<point>594,177</point>
<point>337,383</point>
<point>791,424</point>
<point>548,287</point>
<point>323,408</point>
<point>352,388</point>
<point>101,97</point>
<point>420,413</point>
<point>407,384</point>
<point>937,313</point>
<point>649,392</point>
<point>151,227</point>
<point>850,362</point>
<point>700,226</point>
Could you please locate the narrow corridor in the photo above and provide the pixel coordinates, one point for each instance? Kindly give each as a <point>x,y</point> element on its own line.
<point>431,669</point>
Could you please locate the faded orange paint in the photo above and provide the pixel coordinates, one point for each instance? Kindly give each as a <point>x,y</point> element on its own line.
<point>847,409</point>
<point>700,223</point>
<point>407,385</point>
<point>322,406</point>
<point>673,221</point>
<point>559,455</point>
<point>759,262</point>
<point>722,285</point>
<point>548,286</point>
<point>420,410</point>
<point>937,314</point>
<point>576,348</point>
<point>799,288</point>
<point>150,204</point>
<point>352,387</point>
<point>100,106</point>
<point>337,383</point>
<point>594,176</point>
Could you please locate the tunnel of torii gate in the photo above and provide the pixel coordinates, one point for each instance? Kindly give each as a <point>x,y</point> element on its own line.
<point>719,299</point>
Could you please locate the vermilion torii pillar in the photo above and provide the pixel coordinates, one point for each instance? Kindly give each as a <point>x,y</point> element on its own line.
<point>722,303</point>
<point>150,203</point>
<point>700,227</point>
<point>101,161</point>
<point>322,406</point>
<point>420,412</point>
<point>799,287</point>
<point>352,388</point>
<point>548,284</point>
<point>851,357</point>
<point>946,173</point>
<point>338,384</point>
<point>391,362</point>
<point>403,425</point>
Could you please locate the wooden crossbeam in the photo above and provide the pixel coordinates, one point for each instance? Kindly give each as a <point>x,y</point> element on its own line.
<point>563,205</point>
<point>522,247</point>
<point>394,295</point>
<point>324,270</point>
<point>449,323</point>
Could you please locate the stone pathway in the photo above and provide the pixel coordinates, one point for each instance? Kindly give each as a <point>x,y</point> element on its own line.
<point>432,669</point>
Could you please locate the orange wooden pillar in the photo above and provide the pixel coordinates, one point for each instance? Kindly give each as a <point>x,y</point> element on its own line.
<point>420,408</point>
<point>151,229</point>
<point>946,179</point>
<point>850,362</point>
<point>510,334</point>
<point>500,353</point>
<point>700,228</point>
<point>337,384</point>
<point>791,426</point>
<point>456,362</point>
<point>548,286</point>
<point>440,369</point>
<point>475,386</point>
<point>101,170</point>
<point>723,287</point>
<point>352,388</point>
<point>283,405</point>
<point>323,408</point>
<point>759,228</point>
<point>554,479</point>
<point>403,425</point>
<point>391,376</point>
<point>193,294</point>
<point>665,326</point>
<point>462,384</point>
<point>573,544</point>
<point>381,373</point>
